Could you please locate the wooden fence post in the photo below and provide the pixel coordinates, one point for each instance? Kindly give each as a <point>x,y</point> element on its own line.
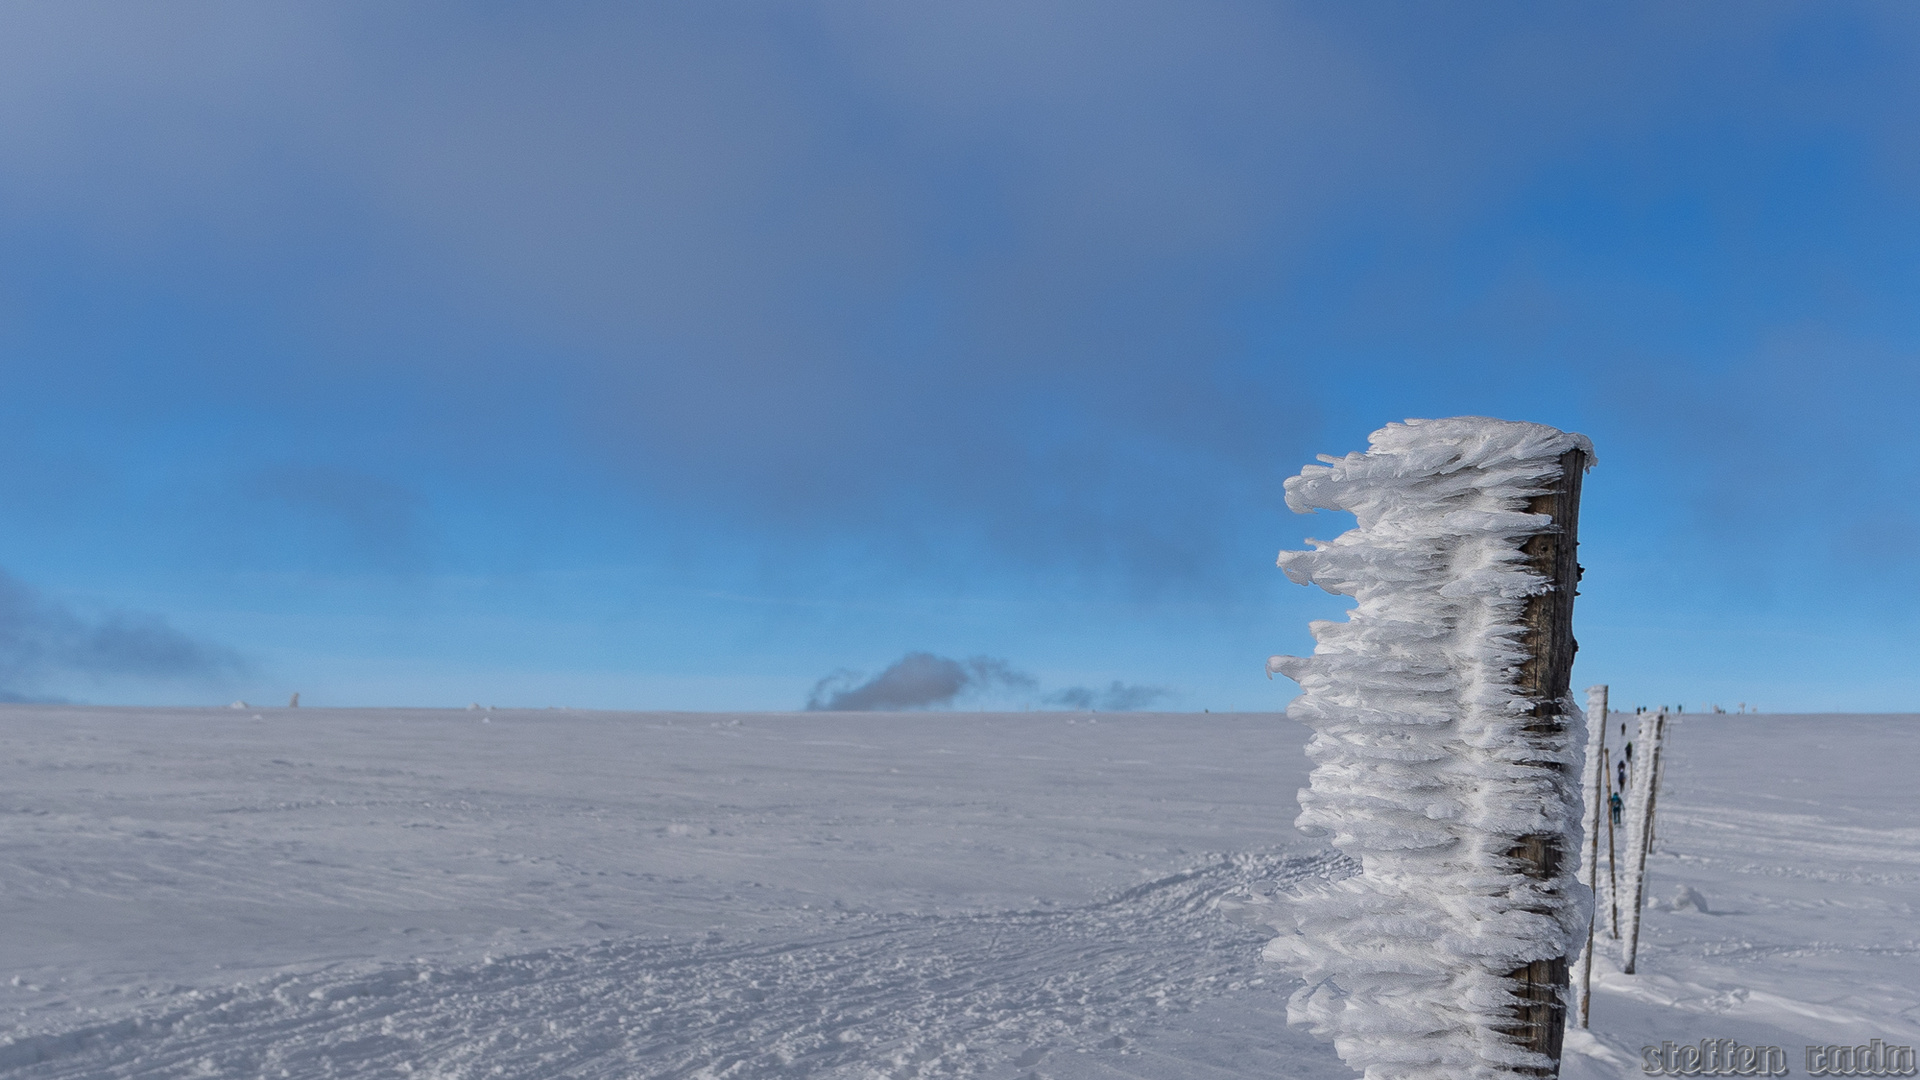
<point>1443,748</point>
<point>1546,679</point>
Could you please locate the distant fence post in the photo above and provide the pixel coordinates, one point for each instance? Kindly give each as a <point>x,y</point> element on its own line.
<point>1444,737</point>
<point>1594,788</point>
<point>1613,872</point>
<point>1640,809</point>
<point>1663,746</point>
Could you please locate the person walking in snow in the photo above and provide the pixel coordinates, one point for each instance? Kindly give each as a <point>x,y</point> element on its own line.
<point>1615,806</point>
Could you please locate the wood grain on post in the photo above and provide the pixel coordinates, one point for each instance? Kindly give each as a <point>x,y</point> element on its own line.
<point>1546,679</point>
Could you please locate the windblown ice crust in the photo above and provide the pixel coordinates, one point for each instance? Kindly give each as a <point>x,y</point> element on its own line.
<point>1429,766</point>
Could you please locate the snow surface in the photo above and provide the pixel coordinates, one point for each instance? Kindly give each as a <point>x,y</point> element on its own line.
<point>518,894</point>
<point>1430,766</point>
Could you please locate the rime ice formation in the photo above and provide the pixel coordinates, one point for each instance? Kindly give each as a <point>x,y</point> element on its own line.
<point>1593,855</point>
<point>1425,769</point>
<point>1643,791</point>
<point>1593,858</point>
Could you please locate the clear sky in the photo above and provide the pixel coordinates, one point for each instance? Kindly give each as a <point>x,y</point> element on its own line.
<point>683,355</point>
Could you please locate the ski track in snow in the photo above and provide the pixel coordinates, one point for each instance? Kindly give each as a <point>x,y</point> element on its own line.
<point>871,995</point>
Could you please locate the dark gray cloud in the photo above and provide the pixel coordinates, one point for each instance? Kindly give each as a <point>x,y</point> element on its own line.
<point>918,680</point>
<point>1115,697</point>
<point>922,680</point>
<point>42,639</point>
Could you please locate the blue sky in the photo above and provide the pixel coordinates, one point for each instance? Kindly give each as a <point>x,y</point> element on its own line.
<point>681,356</point>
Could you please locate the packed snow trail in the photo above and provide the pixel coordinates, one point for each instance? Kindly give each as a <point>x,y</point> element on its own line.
<point>869,995</point>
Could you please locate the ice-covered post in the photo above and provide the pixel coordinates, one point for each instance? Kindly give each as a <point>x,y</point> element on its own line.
<point>1594,785</point>
<point>1446,750</point>
<point>1640,806</point>
<point>1613,867</point>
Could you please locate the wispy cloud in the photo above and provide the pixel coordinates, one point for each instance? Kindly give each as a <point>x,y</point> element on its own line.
<point>1041,283</point>
<point>41,638</point>
<point>365,518</point>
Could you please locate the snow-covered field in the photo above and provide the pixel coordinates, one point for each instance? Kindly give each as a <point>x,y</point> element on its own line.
<point>390,892</point>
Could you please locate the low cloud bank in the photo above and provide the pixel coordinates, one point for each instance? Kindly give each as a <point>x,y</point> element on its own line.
<point>1116,697</point>
<point>41,638</point>
<point>922,680</point>
<point>918,680</point>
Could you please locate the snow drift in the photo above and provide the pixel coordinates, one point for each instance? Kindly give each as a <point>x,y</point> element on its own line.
<point>1428,766</point>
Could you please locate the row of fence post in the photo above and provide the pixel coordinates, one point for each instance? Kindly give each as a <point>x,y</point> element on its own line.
<point>1639,803</point>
